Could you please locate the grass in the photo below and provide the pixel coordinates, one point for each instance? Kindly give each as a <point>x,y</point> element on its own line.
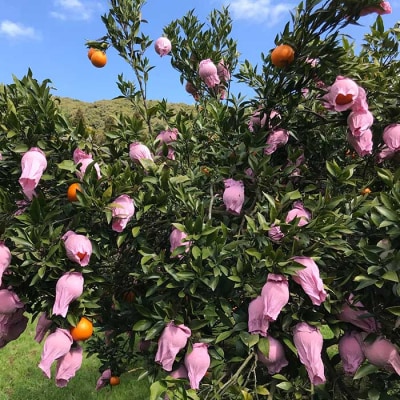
<point>21,379</point>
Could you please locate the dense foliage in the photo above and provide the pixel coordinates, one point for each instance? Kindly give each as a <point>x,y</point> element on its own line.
<point>135,284</point>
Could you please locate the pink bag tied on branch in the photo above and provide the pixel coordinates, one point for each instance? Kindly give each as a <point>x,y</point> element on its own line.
<point>359,122</point>
<point>179,373</point>
<point>309,279</point>
<point>275,294</point>
<point>308,341</point>
<point>162,46</point>
<point>177,239</point>
<point>275,233</point>
<point>276,138</point>
<point>257,121</point>
<point>104,379</point>
<point>167,137</point>
<point>78,248</point>
<point>342,95</point>
<point>208,73</point>
<point>5,259</point>
<point>384,8</point>
<point>172,340</point>
<point>33,164</point>
<point>191,89</point>
<point>11,326</point>
<point>139,151</point>
<point>69,287</point>
<point>381,353</point>
<point>9,301</point>
<point>356,314</point>
<point>233,196</point>
<point>298,211</point>
<point>362,144</point>
<point>56,345</point>
<point>42,327</point>
<point>391,138</point>
<point>123,209</point>
<point>275,360</point>
<point>257,323</point>
<point>223,72</point>
<point>83,160</point>
<point>67,365</point>
<point>197,362</point>
<point>350,352</point>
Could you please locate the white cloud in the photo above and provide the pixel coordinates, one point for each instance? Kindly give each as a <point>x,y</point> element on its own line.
<point>260,10</point>
<point>16,30</point>
<point>75,9</point>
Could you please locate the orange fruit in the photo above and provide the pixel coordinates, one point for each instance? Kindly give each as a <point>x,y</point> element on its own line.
<point>72,189</point>
<point>98,59</point>
<point>282,55</point>
<point>366,191</point>
<point>80,255</point>
<point>205,170</point>
<point>90,52</point>
<point>114,381</point>
<point>342,99</point>
<point>83,330</point>
<point>129,296</point>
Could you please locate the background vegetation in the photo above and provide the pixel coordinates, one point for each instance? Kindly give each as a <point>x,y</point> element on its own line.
<point>99,116</point>
<point>352,235</point>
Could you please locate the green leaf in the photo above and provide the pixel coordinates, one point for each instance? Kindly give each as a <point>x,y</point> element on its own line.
<point>364,370</point>
<point>224,335</point>
<point>248,339</point>
<point>41,272</point>
<point>135,231</point>
<point>254,253</point>
<point>107,194</point>
<point>155,330</point>
<point>67,165</point>
<point>121,239</point>
<point>395,310</point>
<point>157,389</point>
<point>364,281</point>
<point>196,252</point>
<point>289,344</point>
<point>72,319</point>
<point>389,214</point>
<point>142,325</point>
<point>198,323</point>
<point>263,391</point>
<point>391,276</point>
<point>263,346</point>
<point>179,179</point>
<point>285,386</point>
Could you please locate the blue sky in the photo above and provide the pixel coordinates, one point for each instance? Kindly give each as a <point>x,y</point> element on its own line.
<point>49,37</point>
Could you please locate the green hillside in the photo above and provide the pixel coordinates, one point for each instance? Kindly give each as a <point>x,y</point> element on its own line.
<point>97,115</point>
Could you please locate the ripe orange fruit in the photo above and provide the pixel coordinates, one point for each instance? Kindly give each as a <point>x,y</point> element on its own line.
<point>83,330</point>
<point>114,381</point>
<point>98,59</point>
<point>366,191</point>
<point>282,55</point>
<point>90,52</point>
<point>80,255</point>
<point>342,99</point>
<point>72,189</point>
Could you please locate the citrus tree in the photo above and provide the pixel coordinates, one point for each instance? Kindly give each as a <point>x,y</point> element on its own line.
<point>246,248</point>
